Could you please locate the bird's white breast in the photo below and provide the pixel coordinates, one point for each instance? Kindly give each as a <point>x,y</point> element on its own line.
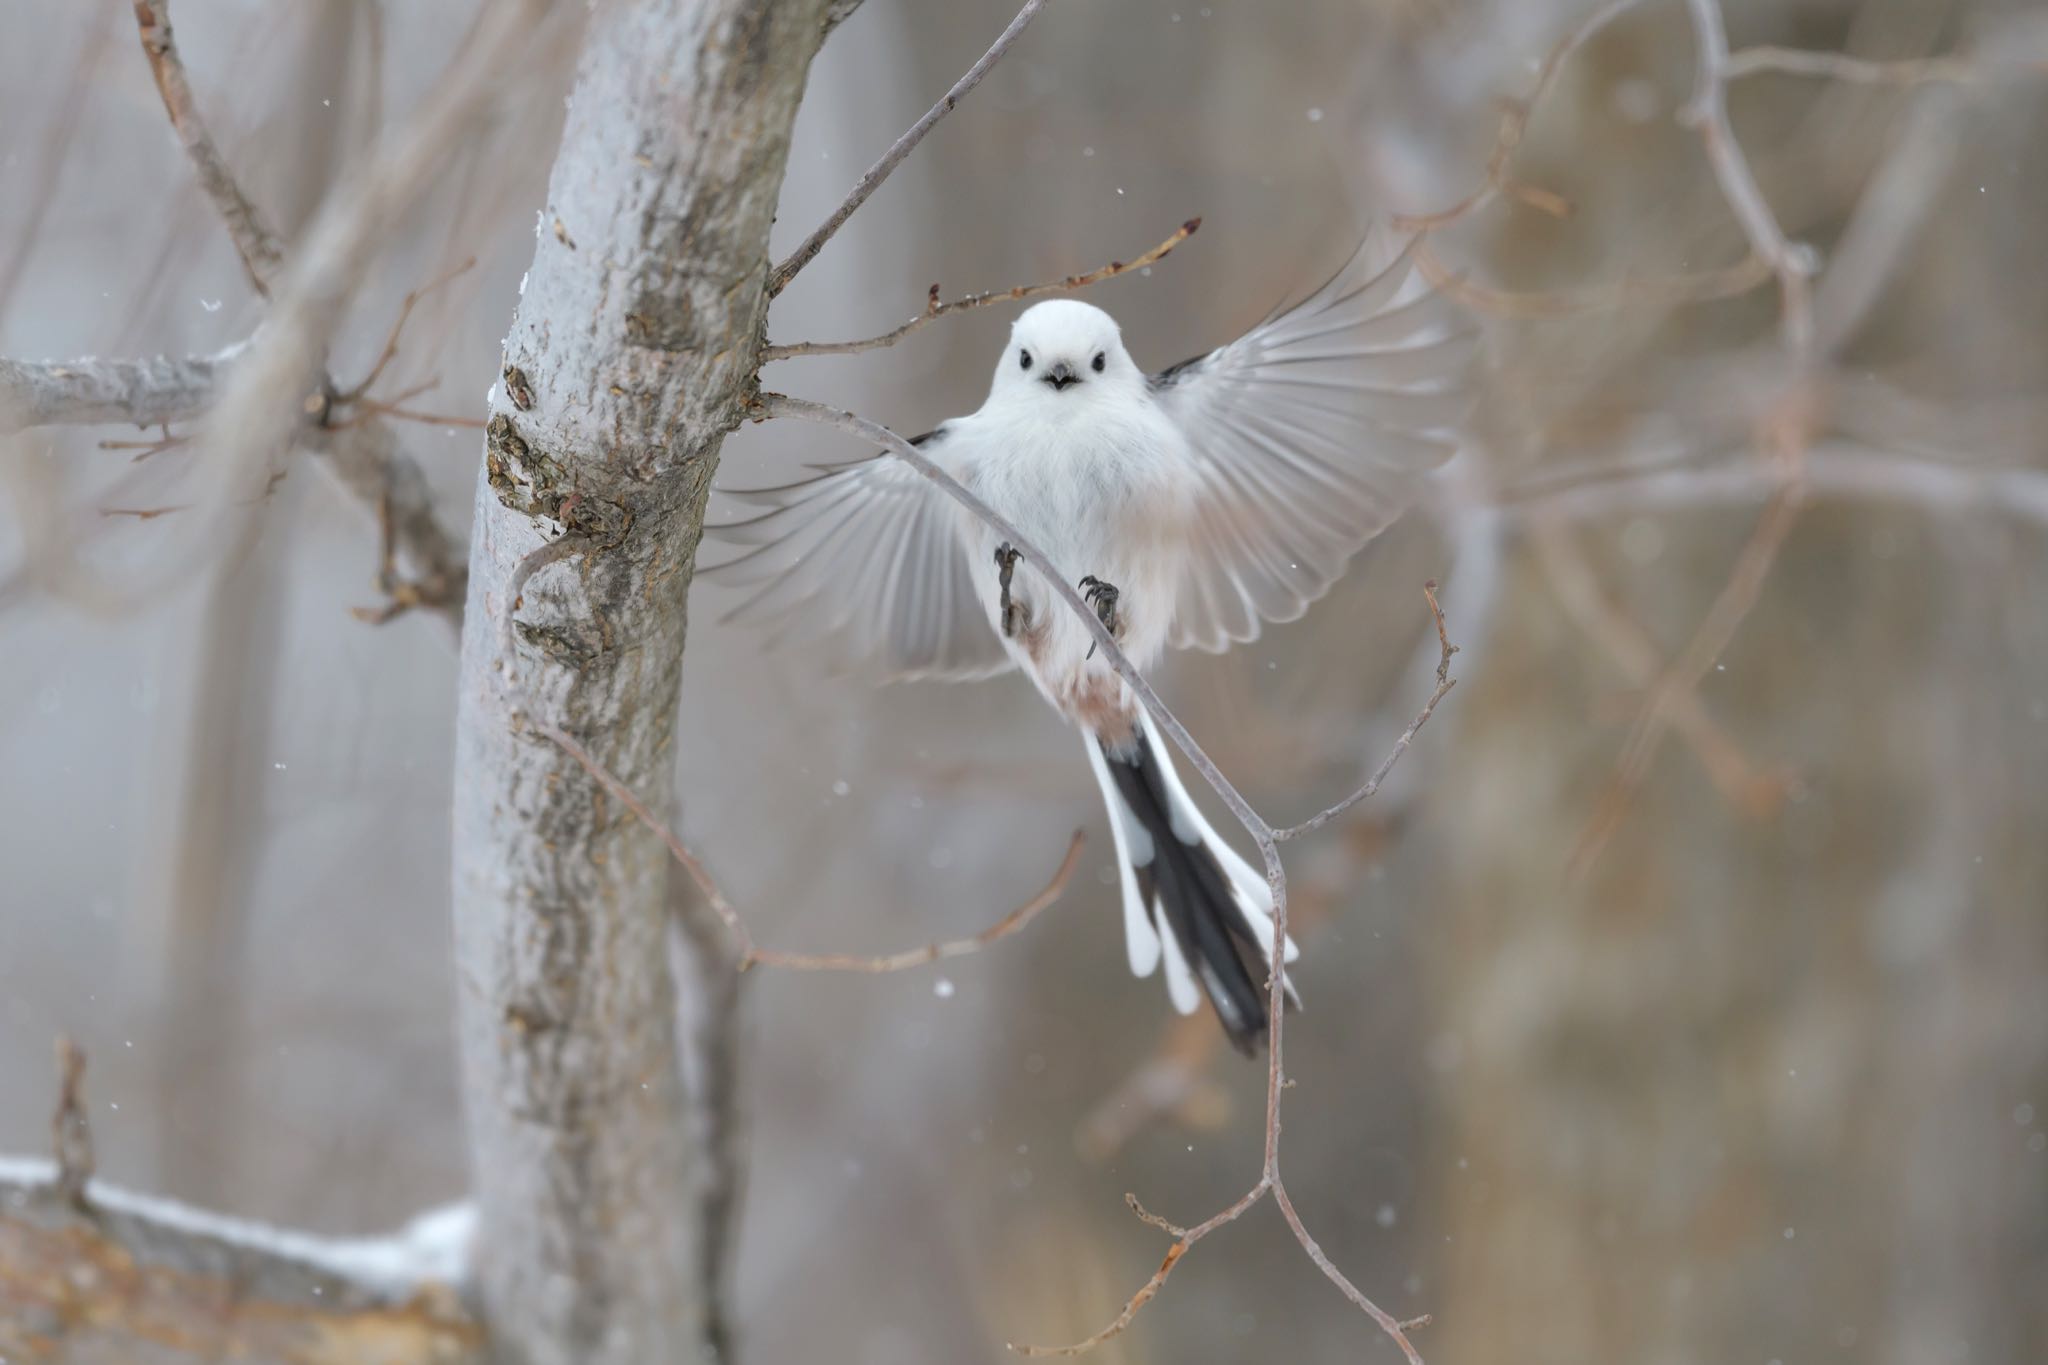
<point>1102,490</point>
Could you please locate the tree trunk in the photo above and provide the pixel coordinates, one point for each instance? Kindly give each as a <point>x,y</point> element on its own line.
<point>629,358</point>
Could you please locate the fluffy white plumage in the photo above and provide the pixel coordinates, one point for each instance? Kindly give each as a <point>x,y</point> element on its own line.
<point>1221,493</point>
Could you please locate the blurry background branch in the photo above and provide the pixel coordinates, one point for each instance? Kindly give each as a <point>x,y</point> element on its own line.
<point>284,399</point>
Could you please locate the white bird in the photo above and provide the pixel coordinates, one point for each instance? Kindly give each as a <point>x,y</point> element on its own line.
<point>1191,505</point>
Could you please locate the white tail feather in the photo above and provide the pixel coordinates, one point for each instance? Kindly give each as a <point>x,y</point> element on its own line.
<point>1141,939</point>
<point>1147,941</point>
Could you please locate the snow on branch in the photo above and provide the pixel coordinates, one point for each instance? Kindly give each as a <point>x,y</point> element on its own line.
<point>93,1272</point>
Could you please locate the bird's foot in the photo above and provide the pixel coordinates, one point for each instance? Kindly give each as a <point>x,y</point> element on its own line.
<point>1010,612</point>
<point>1103,597</point>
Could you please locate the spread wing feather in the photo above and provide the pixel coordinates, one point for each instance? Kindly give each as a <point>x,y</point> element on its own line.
<point>867,556</point>
<point>1311,433</point>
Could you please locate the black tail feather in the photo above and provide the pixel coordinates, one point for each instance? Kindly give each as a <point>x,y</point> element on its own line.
<point>1201,911</point>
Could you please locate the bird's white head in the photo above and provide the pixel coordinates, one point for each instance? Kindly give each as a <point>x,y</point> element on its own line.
<point>1064,356</point>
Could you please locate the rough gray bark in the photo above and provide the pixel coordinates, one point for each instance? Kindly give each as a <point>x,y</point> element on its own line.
<point>629,358</point>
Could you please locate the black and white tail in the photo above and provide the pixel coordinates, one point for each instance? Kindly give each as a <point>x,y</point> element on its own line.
<point>1188,897</point>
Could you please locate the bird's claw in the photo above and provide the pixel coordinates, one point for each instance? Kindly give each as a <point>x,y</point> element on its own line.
<point>1103,597</point>
<point>1011,611</point>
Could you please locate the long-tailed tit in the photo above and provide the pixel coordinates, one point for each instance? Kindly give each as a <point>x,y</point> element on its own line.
<point>1190,505</point>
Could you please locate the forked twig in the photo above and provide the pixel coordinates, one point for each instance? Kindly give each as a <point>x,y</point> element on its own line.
<point>1444,683</point>
<point>1707,113</point>
<point>1514,122</point>
<point>390,350</point>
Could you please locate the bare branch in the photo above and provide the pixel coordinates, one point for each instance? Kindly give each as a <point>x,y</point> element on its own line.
<point>1738,595</point>
<point>1444,683</point>
<point>1840,66</point>
<point>1514,122</point>
<point>275,390</point>
<point>432,569</point>
<point>1150,1289</point>
<point>385,356</point>
<point>1577,589</point>
<point>255,241</point>
<point>931,952</point>
<point>891,159</point>
<point>1793,264</point>
<point>267,398</point>
<point>144,393</point>
<point>935,310</point>
<point>1395,1329</point>
<point>1830,470</point>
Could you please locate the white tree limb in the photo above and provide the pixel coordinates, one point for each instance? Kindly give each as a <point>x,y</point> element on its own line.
<point>146,392</point>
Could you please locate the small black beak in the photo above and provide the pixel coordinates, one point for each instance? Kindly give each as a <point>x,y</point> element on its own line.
<point>1060,376</point>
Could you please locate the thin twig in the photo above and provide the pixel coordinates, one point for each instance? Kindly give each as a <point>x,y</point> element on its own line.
<point>935,310</point>
<point>1514,122</point>
<point>432,419</point>
<point>70,1133</point>
<point>1577,589</point>
<point>891,159</point>
<point>1150,1289</point>
<point>754,955</point>
<point>276,396</point>
<point>1707,113</point>
<point>1730,607</point>
<point>385,356</point>
<point>144,449</point>
<point>1444,683</point>
<point>1787,429</point>
<point>254,240</point>
<point>1393,1327</point>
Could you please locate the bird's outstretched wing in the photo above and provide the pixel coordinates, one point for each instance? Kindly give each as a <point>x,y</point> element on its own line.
<point>1310,433</point>
<point>868,557</point>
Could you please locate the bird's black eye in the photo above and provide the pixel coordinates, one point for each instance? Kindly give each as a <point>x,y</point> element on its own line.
<point>1024,360</point>
<point>1099,361</point>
